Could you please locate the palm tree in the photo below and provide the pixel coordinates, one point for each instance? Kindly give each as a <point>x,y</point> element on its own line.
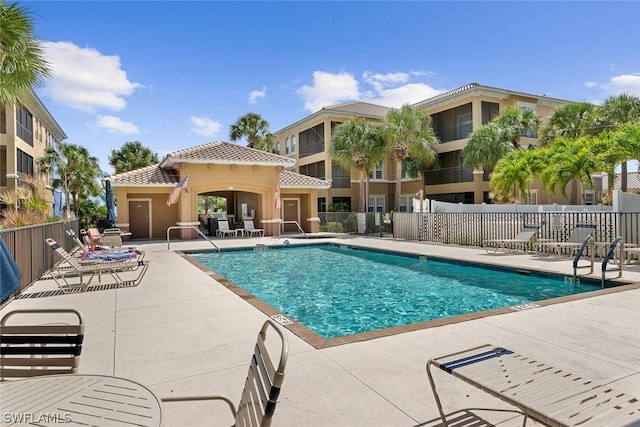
<point>256,129</point>
<point>487,144</point>
<point>409,134</point>
<point>569,160</point>
<point>516,171</point>
<point>132,155</point>
<point>22,62</point>
<point>615,112</point>
<point>73,169</point>
<point>570,121</point>
<point>359,144</point>
<point>515,123</point>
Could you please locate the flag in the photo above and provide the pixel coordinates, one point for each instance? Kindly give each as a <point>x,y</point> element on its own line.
<point>276,198</point>
<point>175,193</point>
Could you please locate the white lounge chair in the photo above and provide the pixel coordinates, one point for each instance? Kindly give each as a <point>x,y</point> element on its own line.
<point>72,267</point>
<point>549,395</point>
<point>250,229</point>
<point>522,240</point>
<point>262,385</point>
<point>224,230</point>
<point>577,236</point>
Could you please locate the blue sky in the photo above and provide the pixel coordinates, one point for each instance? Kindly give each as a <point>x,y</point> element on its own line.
<point>177,74</point>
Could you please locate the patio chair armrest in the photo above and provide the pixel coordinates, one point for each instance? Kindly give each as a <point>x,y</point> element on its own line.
<point>200,398</point>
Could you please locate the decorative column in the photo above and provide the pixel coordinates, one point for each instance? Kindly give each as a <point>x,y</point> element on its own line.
<point>477,186</point>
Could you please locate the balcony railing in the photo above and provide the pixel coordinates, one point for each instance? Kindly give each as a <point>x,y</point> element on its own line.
<point>460,132</point>
<point>341,182</point>
<point>449,176</point>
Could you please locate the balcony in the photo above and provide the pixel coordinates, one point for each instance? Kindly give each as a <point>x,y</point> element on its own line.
<point>450,176</point>
<point>459,132</point>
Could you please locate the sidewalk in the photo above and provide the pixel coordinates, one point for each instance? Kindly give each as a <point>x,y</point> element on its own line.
<point>180,332</point>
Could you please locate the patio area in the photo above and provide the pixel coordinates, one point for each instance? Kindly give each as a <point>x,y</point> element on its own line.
<point>182,333</point>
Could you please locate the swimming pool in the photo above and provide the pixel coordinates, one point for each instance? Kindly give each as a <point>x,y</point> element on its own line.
<point>337,290</point>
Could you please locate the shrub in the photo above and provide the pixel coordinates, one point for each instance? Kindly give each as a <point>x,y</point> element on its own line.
<point>334,227</point>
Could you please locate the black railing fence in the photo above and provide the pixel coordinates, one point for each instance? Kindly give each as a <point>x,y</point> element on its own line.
<point>28,247</point>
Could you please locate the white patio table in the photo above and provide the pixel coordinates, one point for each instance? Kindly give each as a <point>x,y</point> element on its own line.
<point>95,400</point>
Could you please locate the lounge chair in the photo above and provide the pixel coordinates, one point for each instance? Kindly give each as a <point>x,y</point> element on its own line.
<point>112,237</point>
<point>250,229</point>
<point>72,267</point>
<point>262,386</point>
<point>578,235</point>
<point>28,349</point>
<point>551,396</point>
<point>522,240</point>
<point>103,252</point>
<point>224,230</point>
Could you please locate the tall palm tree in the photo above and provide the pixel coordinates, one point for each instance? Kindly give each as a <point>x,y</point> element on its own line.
<point>132,155</point>
<point>569,121</point>
<point>409,134</point>
<point>358,143</point>
<point>72,169</point>
<point>22,62</point>
<point>255,128</point>
<point>487,144</point>
<point>615,112</point>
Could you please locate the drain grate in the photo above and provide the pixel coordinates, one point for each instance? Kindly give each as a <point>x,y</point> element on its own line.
<point>524,307</point>
<point>281,319</point>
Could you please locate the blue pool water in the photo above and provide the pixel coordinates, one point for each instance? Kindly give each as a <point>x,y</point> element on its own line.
<point>336,290</point>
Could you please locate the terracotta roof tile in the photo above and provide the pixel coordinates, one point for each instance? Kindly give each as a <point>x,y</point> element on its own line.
<point>358,108</point>
<point>290,179</point>
<point>148,176</point>
<point>225,153</point>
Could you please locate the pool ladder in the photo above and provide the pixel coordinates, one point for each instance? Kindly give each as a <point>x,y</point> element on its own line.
<point>610,255</point>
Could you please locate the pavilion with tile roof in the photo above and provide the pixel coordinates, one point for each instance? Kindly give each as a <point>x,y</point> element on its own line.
<point>247,178</point>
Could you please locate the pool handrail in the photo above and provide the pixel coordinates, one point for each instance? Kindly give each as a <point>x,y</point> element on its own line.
<point>174,227</point>
<point>588,241</point>
<point>610,255</point>
<point>297,224</point>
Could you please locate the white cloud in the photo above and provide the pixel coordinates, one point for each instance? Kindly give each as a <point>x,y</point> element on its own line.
<point>254,95</point>
<point>205,127</point>
<point>85,79</point>
<point>625,83</point>
<point>116,125</point>
<point>329,89</point>
<point>391,89</point>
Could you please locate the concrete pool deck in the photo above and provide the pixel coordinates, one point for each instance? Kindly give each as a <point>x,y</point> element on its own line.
<point>180,332</point>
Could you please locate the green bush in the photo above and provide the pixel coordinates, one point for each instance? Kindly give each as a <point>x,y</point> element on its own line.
<point>351,223</point>
<point>334,227</point>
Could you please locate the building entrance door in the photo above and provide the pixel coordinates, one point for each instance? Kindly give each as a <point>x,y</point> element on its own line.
<point>291,212</point>
<point>139,224</point>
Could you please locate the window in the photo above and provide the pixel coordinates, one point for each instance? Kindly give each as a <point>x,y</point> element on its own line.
<point>489,111</point>
<point>377,173</point>
<point>340,176</point>
<point>589,197</point>
<point>293,143</point>
<point>531,198</point>
<point>3,119</point>
<point>526,106</point>
<point>376,204</point>
<point>322,204</point>
<point>287,146</point>
<point>315,170</point>
<point>24,162</point>
<point>24,123</point>
<point>3,166</point>
<point>312,141</point>
<point>406,203</point>
<point>464,125</point>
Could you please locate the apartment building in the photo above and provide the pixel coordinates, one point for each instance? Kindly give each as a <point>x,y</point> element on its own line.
<point>27,129</point>
<point>455,114</point>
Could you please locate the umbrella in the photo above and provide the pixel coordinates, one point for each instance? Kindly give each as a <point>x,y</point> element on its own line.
<point>57,203</point>
<point>108,199</point>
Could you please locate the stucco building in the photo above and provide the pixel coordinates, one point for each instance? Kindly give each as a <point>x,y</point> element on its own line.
<point>455,114</point>
<point>249,179</point>
<point>27,129</point>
